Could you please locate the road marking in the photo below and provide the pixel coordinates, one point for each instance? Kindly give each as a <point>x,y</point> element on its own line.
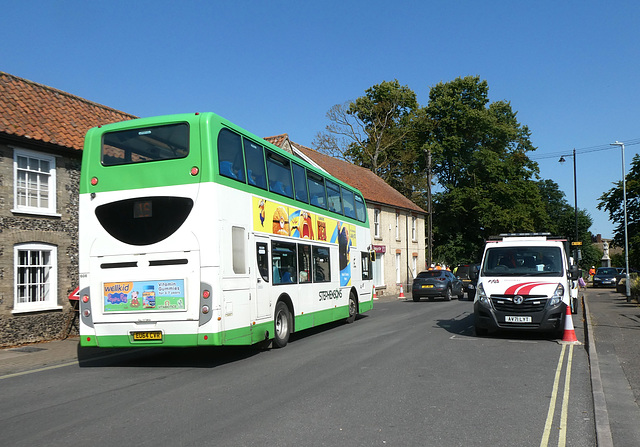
<point>562,436</point>
<point>565,401</point>
<point>31,371</point>
<point>61,365</point>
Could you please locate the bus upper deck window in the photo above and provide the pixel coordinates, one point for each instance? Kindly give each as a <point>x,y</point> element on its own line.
<point>317,195</point>
<point>254,157</point>
<point>279,173</point>
<point>230,157</point>
<point>333,197</point>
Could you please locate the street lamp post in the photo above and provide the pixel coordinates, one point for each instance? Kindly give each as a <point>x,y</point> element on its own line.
<point>626,237</point>
<point>575,195</point>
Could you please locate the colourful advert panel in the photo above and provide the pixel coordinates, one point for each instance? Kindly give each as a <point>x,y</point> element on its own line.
<point>276,218</point>
<point>144,295</point>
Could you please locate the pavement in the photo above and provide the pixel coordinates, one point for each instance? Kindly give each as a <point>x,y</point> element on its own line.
<point>611,335</point>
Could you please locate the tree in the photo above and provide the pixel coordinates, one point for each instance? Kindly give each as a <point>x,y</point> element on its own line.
<point>481,164</point>
<point>376,131</point>
<point>611,201</point>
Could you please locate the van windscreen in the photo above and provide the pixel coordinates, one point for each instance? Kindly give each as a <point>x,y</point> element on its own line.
<point>523,261</point>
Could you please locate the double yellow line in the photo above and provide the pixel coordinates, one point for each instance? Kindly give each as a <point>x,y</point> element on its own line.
<point>562,436</point>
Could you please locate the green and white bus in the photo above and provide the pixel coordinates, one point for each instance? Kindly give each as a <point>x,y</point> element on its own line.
<point>195,232</point>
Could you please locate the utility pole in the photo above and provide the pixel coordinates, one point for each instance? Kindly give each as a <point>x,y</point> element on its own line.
<point>430,214</point>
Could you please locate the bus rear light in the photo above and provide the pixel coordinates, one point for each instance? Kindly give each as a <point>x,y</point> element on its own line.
<point>205,309</point>
<point>94,181</point>
<point>195,171</point>
<point>85,298</point>
<point>86,313</point>
<point>206,294</point>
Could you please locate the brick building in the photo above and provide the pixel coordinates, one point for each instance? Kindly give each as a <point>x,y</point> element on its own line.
<point>41,137</point>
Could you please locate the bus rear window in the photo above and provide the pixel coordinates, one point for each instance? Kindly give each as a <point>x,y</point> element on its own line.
<point>145,144</point>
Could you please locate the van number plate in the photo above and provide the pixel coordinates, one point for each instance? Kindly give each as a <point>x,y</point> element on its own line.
<point>514,319</point>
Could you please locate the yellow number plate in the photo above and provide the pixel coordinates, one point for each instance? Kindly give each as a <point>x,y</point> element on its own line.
<point>147,335</point>
<point>427,286</point>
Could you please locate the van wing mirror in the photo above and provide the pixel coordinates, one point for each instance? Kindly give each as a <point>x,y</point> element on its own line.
<point>372,255</point>
<point>574,272</point>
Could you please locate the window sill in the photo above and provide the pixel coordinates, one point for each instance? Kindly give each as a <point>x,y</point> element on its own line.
<point>29,309</point>
<point>43,213</point>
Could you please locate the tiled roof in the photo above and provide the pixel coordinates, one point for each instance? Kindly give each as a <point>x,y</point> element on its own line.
<point>45,114</point>
<point>373,188</point>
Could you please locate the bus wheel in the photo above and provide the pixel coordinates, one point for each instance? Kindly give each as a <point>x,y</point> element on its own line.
<point>282,325</point>
<point>353,308</point>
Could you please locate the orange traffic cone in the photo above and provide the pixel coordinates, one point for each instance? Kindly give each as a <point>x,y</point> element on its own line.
<point>569,335</point>
<point>375,296</point>
<point>401,292</point>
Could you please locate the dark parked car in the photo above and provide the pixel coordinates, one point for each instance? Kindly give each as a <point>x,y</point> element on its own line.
<point>433,283</point>
<point>605,277</point>
<point>468,274</point>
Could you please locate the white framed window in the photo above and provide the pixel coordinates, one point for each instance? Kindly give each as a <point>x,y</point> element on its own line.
<point>397,225</point>
<point>35,273</point>
<point>34,182</point>
<point>413,228</point>
<point>376,223</point>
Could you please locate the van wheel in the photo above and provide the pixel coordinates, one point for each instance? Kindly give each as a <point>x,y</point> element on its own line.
<point>353,308</point>
<point>281,325</point>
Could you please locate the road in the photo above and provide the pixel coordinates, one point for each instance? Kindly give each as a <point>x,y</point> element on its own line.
<point>404,374</point>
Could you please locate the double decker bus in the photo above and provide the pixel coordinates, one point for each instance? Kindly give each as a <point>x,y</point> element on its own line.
<point>195,232</point>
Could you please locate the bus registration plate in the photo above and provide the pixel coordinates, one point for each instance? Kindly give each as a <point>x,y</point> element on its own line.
<point>147,336</point>
<point>517,319</point>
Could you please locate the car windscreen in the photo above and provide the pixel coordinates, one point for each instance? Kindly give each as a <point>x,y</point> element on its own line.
<point>523,261</point>
<point>607,271</point>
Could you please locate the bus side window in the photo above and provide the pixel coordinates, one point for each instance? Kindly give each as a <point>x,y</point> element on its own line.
<point>366,265</point>
<point>238,250</point>
<point>349,203</point>
<point>321,265</point>
<point>361,209</point>
<point>333,197</point>
<point>262,253</point>
<point>279,173</point>
<point>284,263</point>
<point>254,157</point>
<point>317,194</point>
<point>304,263</point>
<point>230,159</point>
<point>300,183</point>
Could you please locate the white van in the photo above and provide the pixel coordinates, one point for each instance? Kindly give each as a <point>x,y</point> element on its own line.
<point>524,283</point>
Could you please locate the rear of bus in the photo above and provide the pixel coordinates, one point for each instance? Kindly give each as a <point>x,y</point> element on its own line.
<point>142,233</point>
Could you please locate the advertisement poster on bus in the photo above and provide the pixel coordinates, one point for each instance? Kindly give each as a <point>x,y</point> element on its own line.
<point>128,296</point>
<point>276,218</point>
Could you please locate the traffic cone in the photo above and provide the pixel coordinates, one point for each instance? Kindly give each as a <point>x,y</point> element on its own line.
<point>375,296</point>
<point>569,335</point>
<point>401,292</point>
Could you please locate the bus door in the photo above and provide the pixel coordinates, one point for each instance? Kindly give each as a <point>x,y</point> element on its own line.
<point>263,278</point>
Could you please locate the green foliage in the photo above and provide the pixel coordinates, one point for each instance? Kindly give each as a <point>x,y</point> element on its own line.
<point>486,183</point>
<point>612,202</point>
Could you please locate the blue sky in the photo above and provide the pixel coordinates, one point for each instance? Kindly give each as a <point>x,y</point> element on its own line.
<point>569,68</point>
